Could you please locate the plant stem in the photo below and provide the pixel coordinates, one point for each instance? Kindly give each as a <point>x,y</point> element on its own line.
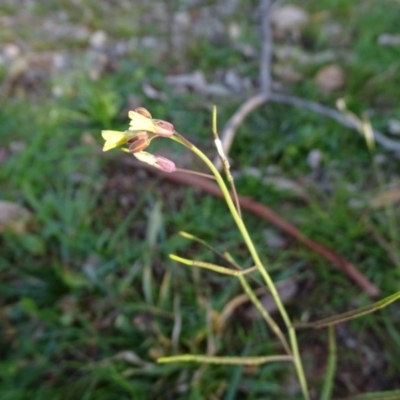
<point>271,323</point>
<point>224,360</point>
<point>331,368</point>
<point>243,230</point>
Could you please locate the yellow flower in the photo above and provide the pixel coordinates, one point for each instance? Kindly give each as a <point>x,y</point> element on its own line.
<point>114,139</point>
<point>141,123</point>
<point>142,129</point>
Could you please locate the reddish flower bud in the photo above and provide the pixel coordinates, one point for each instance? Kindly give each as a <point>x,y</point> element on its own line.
<point>163,128</point>
<point>156,161</point>
<point>165,164</point>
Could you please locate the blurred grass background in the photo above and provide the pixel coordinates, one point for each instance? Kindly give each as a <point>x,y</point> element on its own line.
<point>88,296</point>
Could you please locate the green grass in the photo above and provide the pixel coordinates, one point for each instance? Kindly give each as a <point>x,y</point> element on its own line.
<point>85,283</point>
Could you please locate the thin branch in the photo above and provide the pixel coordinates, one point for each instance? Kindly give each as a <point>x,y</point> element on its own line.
<point>266,49</point>
<point>189,171</point>
<point>384,141</point>
<point>257,100</point>
<point>265,212</point>
<point>249,105</point>
<point>382,242</point>
<point>229,131</point>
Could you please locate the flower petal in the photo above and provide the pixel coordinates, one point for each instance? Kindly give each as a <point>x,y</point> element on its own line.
<point>112,135</point>
<point>113,139</point>
<point>146,158</point>
<point>140,122</point>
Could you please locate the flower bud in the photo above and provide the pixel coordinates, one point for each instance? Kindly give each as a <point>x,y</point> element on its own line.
<point>163,128</point>
<point>156,161</point>
<point>143,111</point>
<point>138,145</point>
<point>165,164</point>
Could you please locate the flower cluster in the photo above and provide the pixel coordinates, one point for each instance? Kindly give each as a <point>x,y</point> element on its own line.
<point>142,130</point>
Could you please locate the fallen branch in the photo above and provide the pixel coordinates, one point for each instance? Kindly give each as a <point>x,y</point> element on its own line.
<point>235,121</point>
<point>229,131</point>
<point>389,144</point>
<point>259,99</point>
<point>265,212</point>
<point>266,46</point>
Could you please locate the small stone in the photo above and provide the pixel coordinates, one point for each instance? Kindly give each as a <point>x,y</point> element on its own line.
<point>57,91</point>
<point>314,158</point>
<point>98,39</point>
<point>233,80</point>
<point>59,61</point>
<point>394,127</point>
<point>380,159</point>
<point>386,39</point>
<point>330,78</point>
<point>289,19</point>
<point>356,204</point>
<point>234,30</point>
<point>13,217</point>
<point>182,20</point>
<point>273,239</point>
<point>287,73</point>
<point>11,51</point>
<point>17,146</point>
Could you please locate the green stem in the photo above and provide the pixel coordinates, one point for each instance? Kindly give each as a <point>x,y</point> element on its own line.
<point>271,323</point>
<point>224,360</point>
<point>211,266</point>
<point>331,368</point>
<point>243,230</point>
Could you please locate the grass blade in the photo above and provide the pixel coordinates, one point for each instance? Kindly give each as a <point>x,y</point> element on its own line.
<point>339,318</point>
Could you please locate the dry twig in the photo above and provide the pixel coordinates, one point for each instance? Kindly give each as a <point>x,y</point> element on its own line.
<point>265,212</point>
<point>266,49</point>
<point>229,131</point>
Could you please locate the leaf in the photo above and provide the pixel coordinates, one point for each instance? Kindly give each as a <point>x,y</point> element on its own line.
<point>74,280</point>
<point>388,395</point>
<point>34,244</point>
<point>339,318</point>
<point>154,224</point>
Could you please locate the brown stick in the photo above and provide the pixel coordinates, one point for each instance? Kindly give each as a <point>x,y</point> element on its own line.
<point>265,212</point>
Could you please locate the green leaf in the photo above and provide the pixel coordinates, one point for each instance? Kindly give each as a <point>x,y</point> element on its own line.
<point>339,318</point>
<point>388,395</point>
